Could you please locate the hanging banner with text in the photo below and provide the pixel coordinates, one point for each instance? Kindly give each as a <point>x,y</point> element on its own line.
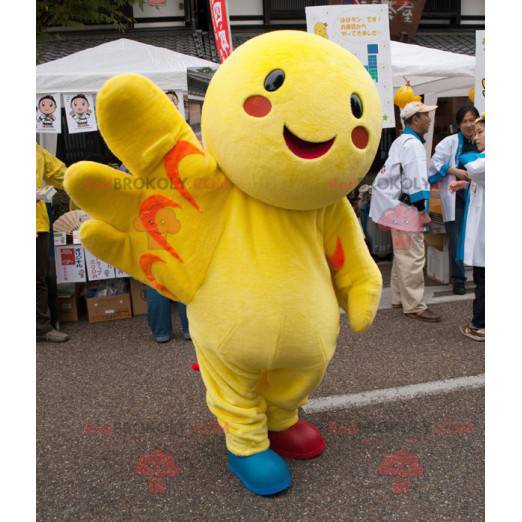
<point>363,30</point>
<point>480,71</point>
<point>221,26</point>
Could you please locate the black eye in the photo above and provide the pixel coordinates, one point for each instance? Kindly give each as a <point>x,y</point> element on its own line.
<point>274,80</point>
<point>357,106</point>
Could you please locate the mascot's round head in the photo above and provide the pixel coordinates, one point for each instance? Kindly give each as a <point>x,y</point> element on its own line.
<point>292,119</point>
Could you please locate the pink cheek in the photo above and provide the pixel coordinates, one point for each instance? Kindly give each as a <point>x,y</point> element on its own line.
<point>360,137</point>
<point>257,106</point>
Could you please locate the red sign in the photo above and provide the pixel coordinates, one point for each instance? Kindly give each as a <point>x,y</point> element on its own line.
<point>67,256</point>
<point>221,26</point>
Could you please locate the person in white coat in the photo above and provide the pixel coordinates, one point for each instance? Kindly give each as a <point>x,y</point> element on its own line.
<point>400,196</point>
<point>471,248</point>
<point>446,167</point>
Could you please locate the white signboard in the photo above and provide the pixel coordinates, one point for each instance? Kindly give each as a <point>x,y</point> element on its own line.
<point>79,109</point>
<point>120,273</point>
<point>70,264</point>
<point>48,113</point>
<point>363,30</point>
<point>97,269</point>
<point>480,71</point>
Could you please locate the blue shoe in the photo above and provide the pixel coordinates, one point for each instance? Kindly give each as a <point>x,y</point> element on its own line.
<point>264,473</point>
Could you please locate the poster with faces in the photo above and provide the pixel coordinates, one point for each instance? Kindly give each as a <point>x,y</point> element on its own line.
<point>176,97</point>
<point>48,113</point>
<point>79,109</point>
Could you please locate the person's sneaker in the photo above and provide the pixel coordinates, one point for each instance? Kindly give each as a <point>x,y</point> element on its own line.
<point>187,337</point>
<point>163,339</point>
<point>52,336</point>
<point>477,334</point>
<point>425,315</point>
<point>459,289</point>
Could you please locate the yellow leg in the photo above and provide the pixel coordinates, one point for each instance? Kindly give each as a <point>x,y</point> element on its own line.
<point>233,398</point>
<point>285,390</point>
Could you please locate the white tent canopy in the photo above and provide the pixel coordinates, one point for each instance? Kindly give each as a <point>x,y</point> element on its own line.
<point>433,73</point>
<point>430,70</point>
<point>88,70</point>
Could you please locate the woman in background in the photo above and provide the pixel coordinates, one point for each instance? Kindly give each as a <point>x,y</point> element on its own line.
<point>471,249</point>
<point>446,168</point>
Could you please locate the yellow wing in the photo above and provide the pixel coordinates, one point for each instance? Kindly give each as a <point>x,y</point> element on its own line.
<point>162,222</point>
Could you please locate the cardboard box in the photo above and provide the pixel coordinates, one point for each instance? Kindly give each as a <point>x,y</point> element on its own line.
<point>68,308</point>
<point>435,203</point>
<point>435,240</point>
<point>108,308</point>
<point>139,297</point>
<point>437,264</point>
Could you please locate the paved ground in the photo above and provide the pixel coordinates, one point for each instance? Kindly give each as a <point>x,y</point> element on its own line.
<point>112,395</point>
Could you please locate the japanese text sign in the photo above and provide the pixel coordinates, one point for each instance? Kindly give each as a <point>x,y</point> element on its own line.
<point>97,269</point>
<point>221,26</point>
<point>364,31</point>
<point>70,264</point>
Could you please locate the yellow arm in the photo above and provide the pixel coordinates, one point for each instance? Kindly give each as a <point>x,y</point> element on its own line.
<point>356,277</point>
<point>161,222</point>
<point>48,168</point>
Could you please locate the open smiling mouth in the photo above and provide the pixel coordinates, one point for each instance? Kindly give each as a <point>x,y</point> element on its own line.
<point>306,149</point>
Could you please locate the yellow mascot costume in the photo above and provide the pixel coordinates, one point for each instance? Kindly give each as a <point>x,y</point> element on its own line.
<point>267,246</point>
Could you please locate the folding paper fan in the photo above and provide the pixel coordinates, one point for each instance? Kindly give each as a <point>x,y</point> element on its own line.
<point>70,221</point>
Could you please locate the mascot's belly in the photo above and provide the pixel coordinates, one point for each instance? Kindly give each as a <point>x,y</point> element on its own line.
<point>268,300</point>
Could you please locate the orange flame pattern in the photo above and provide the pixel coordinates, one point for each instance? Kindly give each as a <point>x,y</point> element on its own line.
<point>146,262</point>
<point>336,260</point>
<point>148,209</point>
<point>171,163</point>
<point>151,205</point>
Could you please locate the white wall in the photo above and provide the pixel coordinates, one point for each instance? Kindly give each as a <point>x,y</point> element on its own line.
<point>245,7</point>
<point>473,7</point>
<point>171,8</point>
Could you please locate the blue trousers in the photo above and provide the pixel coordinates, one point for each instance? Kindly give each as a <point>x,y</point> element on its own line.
<point>159,310</point>
<point>453,229</point>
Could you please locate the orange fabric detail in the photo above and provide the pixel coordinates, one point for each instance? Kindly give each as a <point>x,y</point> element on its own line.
<point>171,162</point>
<point>336,260</point>
<point>146,262</point>
<point>148,209</point>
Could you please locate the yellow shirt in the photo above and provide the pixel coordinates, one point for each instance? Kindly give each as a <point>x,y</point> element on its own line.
<point>51,170</point>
